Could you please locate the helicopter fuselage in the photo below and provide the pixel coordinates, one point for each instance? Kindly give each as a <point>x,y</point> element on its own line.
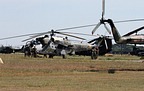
<point>133,39</point>
<point>58,43</point>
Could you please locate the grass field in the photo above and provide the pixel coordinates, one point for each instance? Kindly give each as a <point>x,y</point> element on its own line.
<point>76,73</point>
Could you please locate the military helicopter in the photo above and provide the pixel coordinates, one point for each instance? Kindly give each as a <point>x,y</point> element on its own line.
<point>53,45</point>
<point>6,49</point>
<point>125,39</point>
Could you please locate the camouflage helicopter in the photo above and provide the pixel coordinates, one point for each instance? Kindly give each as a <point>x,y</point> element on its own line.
<point>53,45</point>
<point>125,39</point>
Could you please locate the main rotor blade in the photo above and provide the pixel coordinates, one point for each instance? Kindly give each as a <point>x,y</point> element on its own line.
<point>135,31</point>
<point>18,36</point>
<point>40,34</point>
<point>43,33</point>
<point>80,34</point>
<point>26,39</point>
<point>97,26</point>
<point>34,36</point>
<point>90,25</point>
<point>129,20</point>
<point>107,28</point>
<point>76,27</point>
<point>92,40</point>
<point>70,35</point>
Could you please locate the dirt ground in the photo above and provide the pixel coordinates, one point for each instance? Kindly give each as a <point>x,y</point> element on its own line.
<point>78,73</point>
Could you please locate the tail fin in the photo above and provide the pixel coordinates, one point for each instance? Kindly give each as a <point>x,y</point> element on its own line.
<point>116,35</point>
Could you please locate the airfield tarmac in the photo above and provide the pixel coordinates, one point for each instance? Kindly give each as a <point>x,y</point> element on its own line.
<point>76,73</point>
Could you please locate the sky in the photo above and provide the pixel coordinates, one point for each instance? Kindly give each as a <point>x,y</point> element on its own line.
<point>18,17</point>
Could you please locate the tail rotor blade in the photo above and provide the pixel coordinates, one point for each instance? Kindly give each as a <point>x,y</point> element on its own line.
<point>97,26</point>
<point>107,28</point>
<point>103,8</point>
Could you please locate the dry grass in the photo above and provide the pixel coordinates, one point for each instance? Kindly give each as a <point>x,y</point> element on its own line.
<point>72,74</point>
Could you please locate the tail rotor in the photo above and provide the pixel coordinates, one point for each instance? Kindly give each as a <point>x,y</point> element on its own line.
<point>102,20</point>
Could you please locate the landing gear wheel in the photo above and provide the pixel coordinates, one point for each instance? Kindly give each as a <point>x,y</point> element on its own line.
<point>50,56</point>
